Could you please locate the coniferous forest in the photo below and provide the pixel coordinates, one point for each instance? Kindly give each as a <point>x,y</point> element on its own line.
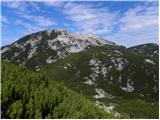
<point>26,94</point>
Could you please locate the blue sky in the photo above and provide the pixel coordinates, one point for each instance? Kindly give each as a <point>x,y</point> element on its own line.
<point>126,23</point>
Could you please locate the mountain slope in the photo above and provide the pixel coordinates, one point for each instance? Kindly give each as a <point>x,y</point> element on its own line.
<point>116,78</point>
<point>32,95</point>
<point>150,51</point>
<point>111,81</point>
<point>47,47</point>
<point>119,74</point>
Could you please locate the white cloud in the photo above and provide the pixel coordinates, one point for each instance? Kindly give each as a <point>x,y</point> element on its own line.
<point>18,5</point>
<point>43,21</point>
<point>43,24</point>
<point>89,18</point>
<point>31,22</point>
<point>35,6</point>
<point>23,5</point>
<point>29,28</point>
<point>137,26</point>
<point>18,22</point>
<point>26,21</point>
<point>54,3</point>
<point>139,18</point>
<point>4,19</point>
<point>38,20</point>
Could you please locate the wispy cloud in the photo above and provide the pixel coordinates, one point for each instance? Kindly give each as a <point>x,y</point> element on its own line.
<point>87,17</point>
<point>30,22</point>
<point>30,28</point>
<point>35,6</point>
<point>4,19</point>
<point>38,20</point>
<point>17,5</point>
<point>137,25</point>
<point>54,3</point>
<point>139,18</point>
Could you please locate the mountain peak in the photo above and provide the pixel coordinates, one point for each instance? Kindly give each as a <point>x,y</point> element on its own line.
<point>79,36</point>
<point>57,31</point>
<point>55,44</point>
<point>93,67</point>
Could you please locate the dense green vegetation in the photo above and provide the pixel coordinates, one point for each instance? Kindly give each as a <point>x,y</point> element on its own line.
<point>141,103</point>
<point>137,108</point>
<point>149,50</point>
<point>135,70</point>
<point>26,94</point>
<point>134,108</point>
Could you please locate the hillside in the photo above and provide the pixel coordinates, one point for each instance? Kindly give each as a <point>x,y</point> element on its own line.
<point>26,94</point>
<point>117,79</point>
<point>93,74</point>
<point>149,50</point>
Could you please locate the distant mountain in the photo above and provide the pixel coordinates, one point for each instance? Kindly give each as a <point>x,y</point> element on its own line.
<point>117,78</point>
<point>149,50</point>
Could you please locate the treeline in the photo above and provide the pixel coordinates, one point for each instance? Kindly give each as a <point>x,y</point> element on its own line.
<point>25,94</point>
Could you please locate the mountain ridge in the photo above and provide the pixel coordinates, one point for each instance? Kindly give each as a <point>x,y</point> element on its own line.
<point>107,73</point>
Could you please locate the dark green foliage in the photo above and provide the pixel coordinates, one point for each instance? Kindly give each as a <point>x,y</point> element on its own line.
<point>137,108</point>
<point>15,110</point>
<point>149,50</point>
<point>134,70</point>
<point>31,95</point>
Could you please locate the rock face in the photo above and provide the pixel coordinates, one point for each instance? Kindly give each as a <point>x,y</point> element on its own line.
<point>51,45</point>
<point>90,65</point>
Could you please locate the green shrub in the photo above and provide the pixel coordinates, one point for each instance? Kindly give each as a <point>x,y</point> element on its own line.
<point>26,94</point>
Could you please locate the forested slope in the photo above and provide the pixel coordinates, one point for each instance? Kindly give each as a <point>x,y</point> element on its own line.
<point>26,94</point>
<point>122,81</point>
